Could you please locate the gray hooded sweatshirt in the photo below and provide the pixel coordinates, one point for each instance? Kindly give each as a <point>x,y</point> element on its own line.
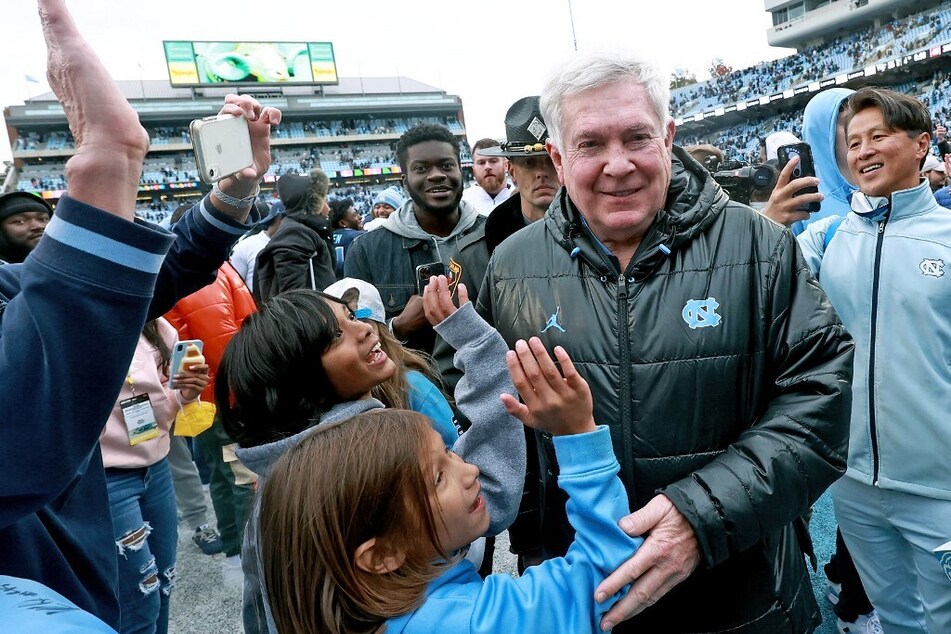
<point>495,443</point>
<point>404,223</point>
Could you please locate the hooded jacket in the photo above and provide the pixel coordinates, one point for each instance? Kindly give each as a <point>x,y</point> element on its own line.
<point>301,253</point>
<point>388,257</point>
<point>77,305</point>
<point>888,279</point>
<point>819,121</point>
<point>495,443</point>
<point>723,373</point>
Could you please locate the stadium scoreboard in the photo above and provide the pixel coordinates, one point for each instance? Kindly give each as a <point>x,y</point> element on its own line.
<point>195,64</point>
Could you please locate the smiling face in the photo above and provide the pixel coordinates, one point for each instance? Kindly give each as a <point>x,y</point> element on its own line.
<point>456,496</point>
<point>433,177</point>
<point>615,161</point>
<point>537,183</point>
<point>382,210</point>
<point>351,220</point>
<point>354,362</point>
<point>883,160</point>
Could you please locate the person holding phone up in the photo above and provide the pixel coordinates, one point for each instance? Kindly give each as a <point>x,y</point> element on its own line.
<point>71,314</point>
<point>135,445</point>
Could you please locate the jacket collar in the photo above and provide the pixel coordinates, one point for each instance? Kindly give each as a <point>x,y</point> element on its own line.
<point>504,220</point>
<point>912,202</point>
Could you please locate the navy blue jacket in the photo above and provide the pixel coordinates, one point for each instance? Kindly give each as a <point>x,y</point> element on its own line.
<point>70,317</point>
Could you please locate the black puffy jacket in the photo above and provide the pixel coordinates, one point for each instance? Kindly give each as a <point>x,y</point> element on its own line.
<point>724,375</point>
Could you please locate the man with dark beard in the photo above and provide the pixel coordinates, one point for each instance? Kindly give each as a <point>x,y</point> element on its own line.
<point>417,239</point>
<point>23,218</point>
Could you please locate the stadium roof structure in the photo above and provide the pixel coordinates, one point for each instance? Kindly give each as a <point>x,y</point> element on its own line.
<point>800,23</point>
<point>156,100</point>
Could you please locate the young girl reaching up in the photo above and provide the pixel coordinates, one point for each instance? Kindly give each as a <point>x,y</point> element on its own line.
<point>304,360</point>
<point>361,523</point>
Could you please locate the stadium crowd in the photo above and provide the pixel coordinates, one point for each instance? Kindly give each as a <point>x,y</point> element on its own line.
<point>646,371</point>
<point>843,54</point>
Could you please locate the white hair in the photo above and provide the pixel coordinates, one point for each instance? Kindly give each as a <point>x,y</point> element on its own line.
<point>589,71</point>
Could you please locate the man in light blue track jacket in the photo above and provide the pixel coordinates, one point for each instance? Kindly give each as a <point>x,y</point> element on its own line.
<point>887,270</point>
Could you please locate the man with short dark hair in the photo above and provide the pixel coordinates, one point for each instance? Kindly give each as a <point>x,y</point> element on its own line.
<point>346,225</point>
<point>23,218</point>
<point>885,269</point>
<point>418,239</point>
<point>491,187</point>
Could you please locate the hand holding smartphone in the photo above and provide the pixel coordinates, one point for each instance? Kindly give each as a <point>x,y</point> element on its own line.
<point>426,271</point>
<point>186,353</point>
<point>805,168</point>
<point>222,145</point>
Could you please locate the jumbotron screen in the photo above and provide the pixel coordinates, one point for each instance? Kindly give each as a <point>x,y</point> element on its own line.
<point>210,63</point>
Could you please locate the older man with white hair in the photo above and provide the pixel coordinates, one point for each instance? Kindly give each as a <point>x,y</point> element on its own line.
<point>711,352</point>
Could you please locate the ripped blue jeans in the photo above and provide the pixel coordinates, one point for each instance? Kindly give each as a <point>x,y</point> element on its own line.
<point>145,527</point>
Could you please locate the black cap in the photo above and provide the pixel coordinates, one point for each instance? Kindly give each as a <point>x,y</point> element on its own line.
<point>21,202</point>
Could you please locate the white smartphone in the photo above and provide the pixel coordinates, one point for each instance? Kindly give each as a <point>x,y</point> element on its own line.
<point>222,145</point>
<point>178,357</point>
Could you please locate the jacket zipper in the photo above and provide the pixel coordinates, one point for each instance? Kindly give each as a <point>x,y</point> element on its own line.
<point>624,347</point>
<point>871,350</point>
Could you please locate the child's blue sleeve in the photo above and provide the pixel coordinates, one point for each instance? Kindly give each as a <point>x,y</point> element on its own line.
<point>558,595</point>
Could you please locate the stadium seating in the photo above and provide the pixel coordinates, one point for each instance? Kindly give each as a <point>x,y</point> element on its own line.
<point>841,55</point>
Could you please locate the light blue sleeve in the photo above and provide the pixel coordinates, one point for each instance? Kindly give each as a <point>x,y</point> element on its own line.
<point>27,606</point>
<point>812,242</point>
<point>558,595</point>
<point>425,398</point>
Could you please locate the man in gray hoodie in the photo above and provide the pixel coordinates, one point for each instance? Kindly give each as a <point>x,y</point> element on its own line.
<point>417,240</point>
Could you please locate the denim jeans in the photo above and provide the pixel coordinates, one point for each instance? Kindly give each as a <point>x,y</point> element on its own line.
<point>145,527</point>
<point>891,535</point>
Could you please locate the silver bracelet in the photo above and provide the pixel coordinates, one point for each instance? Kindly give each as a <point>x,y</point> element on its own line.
<point>240,203</point>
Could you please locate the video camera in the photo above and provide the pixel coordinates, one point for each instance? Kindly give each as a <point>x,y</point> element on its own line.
<point>742,180</point>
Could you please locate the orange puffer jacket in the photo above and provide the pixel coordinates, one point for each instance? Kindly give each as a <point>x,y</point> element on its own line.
<point>213,314</point>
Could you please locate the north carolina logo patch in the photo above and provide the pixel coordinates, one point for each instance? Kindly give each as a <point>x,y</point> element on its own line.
<point>931,267</point>
<point>701,313</point>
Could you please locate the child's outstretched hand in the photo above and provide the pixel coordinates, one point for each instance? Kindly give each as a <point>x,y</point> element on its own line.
<point>437,300</point>
<point>560,405</point>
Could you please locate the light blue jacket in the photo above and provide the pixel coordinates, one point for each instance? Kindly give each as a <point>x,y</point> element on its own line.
<point>819,121</point>
<point>425,398</point>
<point>890,282</point>
<point>558,594</point>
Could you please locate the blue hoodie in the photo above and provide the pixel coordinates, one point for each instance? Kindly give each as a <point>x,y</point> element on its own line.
<point>558,594</point>
<point>819,121</point>
<point>70,318</point>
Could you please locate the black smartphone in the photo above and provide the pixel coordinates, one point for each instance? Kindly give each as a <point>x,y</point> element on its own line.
<point>805,168</point>
<point>426,271</point>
